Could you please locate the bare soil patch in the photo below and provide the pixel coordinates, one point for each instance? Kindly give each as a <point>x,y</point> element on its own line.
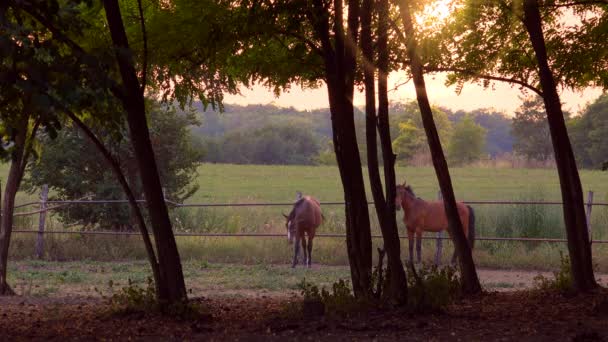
<point>518,315</point>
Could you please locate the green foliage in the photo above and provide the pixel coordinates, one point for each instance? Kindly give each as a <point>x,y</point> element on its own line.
<point>589,134</point>
<point>271,144</point>
<point>408,130</point>
<point>467,143</point>
<point>562,278</point>
<point>131,298</point>
<point>73,168</point>
<point>531,130</point>
<point>339,301</point>
<point>410,140</point>
<point>431,288</point>
<point>134,298</point>
<point>488,38</point>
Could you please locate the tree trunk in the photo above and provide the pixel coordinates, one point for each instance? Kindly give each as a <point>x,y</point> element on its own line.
<point>136,212</point>
<point>172,288</point>
<point>396,289</point>
<point>15,175</point>
<point>470,280</point>
<point>579,247</point>
<point>340,63</point>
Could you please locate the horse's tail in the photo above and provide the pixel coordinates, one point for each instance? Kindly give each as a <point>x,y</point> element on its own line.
<point>471,235</point>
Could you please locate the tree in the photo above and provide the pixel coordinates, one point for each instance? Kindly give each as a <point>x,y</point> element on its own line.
<point>395,289</point>
<point>470,279</point>
<point>409,141</point>
<point>410,138</point>
<point>95,70</point>
<point>530,130</point>
<point>572,192</point>
<point>74,168</point>
<point>589,134</point>
<point>468,142</point>
<point>28,60</point>
<point>338,47</point>
<point>172,288</point>
<point>528,44</point>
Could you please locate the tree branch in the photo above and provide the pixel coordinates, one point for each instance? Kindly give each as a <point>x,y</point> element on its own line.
<point>577,3</point>
<point>487,77</point>
<point>80,52</point>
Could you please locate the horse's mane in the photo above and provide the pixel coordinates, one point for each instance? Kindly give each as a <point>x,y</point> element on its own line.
<point>295,206</point>
<point>409,189</point>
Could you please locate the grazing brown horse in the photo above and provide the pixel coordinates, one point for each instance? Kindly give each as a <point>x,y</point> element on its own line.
<point>305,217</point>
<point>420,215</point>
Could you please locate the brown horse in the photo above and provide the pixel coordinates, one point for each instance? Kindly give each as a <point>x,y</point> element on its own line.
<point>305,217</point>
<point>420,215</point>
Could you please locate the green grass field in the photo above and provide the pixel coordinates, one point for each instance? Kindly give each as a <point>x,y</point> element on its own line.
<point>254,184</point>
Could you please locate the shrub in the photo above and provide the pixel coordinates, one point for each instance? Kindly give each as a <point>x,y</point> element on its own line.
<point>431,288</point>
<point>134,298</point>
<point>318,302</point>
<point>562,281</point>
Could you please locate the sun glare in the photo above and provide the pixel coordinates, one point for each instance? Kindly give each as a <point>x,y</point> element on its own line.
<point>435,13</point>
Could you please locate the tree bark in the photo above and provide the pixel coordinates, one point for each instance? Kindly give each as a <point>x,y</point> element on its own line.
<point>15,175</point>
<point>340,62</point>
<point>172,287</point>
<point>396,289</point>
<point>579,247</point>
<point>470,280</point>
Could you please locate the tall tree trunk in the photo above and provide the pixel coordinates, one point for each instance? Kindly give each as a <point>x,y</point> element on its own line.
<point>15,175</point>
<point>136,212</point>
<point>470,280</point>
<point>172,288</point>
<point>340,63</point>
<point>579,247</point>
<point>396,289</point>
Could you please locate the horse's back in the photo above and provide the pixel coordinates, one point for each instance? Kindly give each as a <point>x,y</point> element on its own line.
<point>308,213</point>
<point>435,218</point>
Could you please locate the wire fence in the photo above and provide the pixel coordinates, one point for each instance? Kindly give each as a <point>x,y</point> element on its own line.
<point>46,205</point>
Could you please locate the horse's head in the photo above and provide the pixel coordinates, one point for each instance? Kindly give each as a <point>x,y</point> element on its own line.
<point>399,195</point>
<point>403,192</point>
<point>290,227</point>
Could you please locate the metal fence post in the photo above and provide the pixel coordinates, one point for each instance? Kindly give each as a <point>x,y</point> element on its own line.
<point>439,243</point>
<point>589,207</point>
<point>41,221</point>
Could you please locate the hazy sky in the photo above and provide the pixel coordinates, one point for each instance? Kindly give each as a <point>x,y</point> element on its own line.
<point>499,96</point>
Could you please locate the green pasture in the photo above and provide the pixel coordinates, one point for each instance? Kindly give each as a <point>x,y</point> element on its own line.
<point>221,183</point>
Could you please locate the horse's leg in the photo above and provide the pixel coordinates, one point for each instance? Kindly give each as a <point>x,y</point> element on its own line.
<point>296,251</point>
<point>410,238</point>
<point>309,252</point>
<point>419,245</point>
<point>304,249</point>
<point>439,252</point>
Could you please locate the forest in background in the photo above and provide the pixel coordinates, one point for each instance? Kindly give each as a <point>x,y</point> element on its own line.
<point>268,134</point>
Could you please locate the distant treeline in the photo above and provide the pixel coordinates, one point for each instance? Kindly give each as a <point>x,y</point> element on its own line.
<point>267,134</point>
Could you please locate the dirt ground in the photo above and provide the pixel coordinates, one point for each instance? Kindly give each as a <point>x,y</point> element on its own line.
<point>503,314</point>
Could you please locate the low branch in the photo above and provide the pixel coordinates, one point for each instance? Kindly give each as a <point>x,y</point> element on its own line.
<point>577,3</point>
<point>487,77</point>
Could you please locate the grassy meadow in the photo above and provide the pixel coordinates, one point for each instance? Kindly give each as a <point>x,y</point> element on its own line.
<point>220,183</point>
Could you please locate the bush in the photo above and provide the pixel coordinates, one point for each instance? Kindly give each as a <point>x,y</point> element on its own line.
<point>562,281</point>
<point>431,288</point>
<point>316,302</point>
<point>135,299</point>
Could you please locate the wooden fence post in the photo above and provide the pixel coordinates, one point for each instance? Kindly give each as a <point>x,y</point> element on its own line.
<point>438,252</point>
<point>589,207</point>
<point>44,195</point>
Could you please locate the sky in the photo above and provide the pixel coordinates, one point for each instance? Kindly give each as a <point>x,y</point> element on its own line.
<point>499,96</point>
